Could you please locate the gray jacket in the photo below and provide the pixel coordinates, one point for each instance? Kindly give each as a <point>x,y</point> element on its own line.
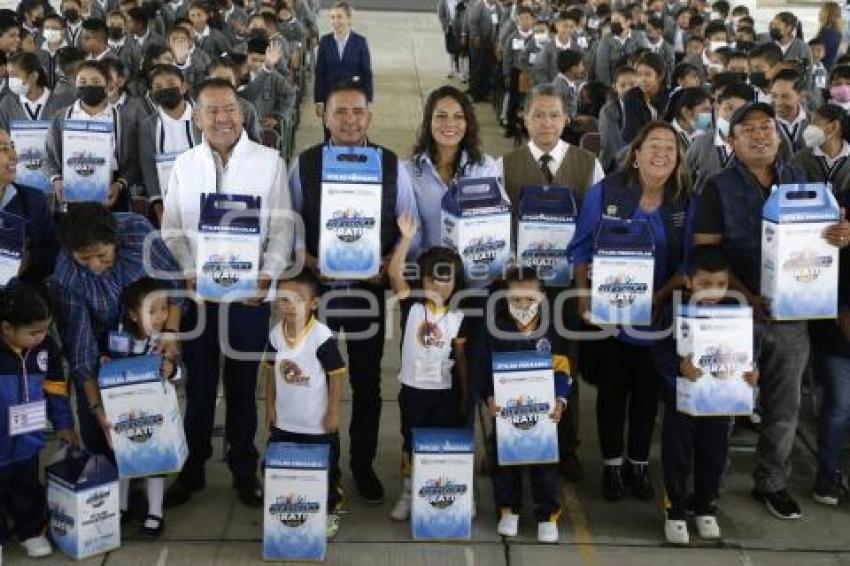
<point>669,56</point>
<point>196,72</point>
<point>479,25</point>
<point>236,20</point>
<point>610,52</point>
<point>546,67</point>
<point>214,44</point>
<point>512,58</point>
<point>568,94</point>
<point>272,95</point>
<point>816,172</point>
<point>610,131</point>
<point>294,31</point>
<point>129,54</point>
<point>704,160</point>
<point>12,109</point>
<point>149,147</point>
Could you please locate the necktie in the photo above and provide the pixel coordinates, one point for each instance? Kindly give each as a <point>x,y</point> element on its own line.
<point>545,159</point>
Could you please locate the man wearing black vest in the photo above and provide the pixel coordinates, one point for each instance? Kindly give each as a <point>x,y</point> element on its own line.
<point>354,306</point>
<point>548,160</point>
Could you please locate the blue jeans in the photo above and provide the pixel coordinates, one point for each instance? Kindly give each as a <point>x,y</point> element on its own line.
<point>834,415</point>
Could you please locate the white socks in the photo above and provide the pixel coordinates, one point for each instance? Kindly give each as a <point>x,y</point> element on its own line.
<point>155,488</point>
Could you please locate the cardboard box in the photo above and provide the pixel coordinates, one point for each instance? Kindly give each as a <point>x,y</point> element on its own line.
<point>799,269</point>
<point>295,507</point>
<point>350,217</point>
<point>228,250</point>
<point>524,388</point>
<point>147,428</point>
<point>443,467</point>
<point>30,139</point>
<point>720,339</point>
<point>83,506</point>
<point>87,154</point>
<point>476,221</point>
<point>623,273</point>
<point>545,228</point>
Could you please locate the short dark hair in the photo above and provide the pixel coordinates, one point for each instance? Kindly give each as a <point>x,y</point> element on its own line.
<point>87,224</point>
<point>348,85</point>
<point>22,304</point>
<point>140,14</point>
<point>209,84</point>
<point>305,277</point>
<point>681,71</point>
<point>519,273</point>
<point>160,69</point>
<point>29,63</point>
<point>710,259</point>
<point>770,52</point>
<point>134,296</point>
<point>98,66</point>
<point>569,58</point>
<point>68,57</point>
<point>432,261</point>
<point>790,75</point>
<point>738,90</point>
<point>715,26</point>
<point>258,44</point>
<point>96,26</point>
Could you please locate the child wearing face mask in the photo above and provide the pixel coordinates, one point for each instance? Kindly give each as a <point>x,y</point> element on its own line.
<point>689,112</point>
<point>520,324</point>
<point>826,157</point>
<point>699,441</point>
<point>839,86</point>
<point>433,373</point>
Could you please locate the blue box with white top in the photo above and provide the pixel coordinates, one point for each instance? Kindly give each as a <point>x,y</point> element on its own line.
<point>295,501</point>
<point>545,228</point>
<point>623,273</point>
<point>443,465</point>
<point>799,268</point>
<point>476,221</point>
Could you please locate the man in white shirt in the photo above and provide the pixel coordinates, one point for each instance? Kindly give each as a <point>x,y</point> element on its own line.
<point>226,162</point>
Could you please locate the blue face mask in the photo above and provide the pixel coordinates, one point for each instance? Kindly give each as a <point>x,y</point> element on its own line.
<point>702,121</point>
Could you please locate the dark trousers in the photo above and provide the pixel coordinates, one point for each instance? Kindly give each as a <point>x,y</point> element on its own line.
<point>568,426</point>
<point>91,434</point>
<point>332,440</point>
<point>545,486</point>
<point>482,71</point>
<point>22,498</point>
<point>628,392</point>
<point>349,312</point>
<point>426,408</point>
<point>246,329</point>
<point>703,441</point>
<point>514,99</point>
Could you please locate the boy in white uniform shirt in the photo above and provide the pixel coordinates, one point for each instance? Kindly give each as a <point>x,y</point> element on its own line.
<point>303,395</point>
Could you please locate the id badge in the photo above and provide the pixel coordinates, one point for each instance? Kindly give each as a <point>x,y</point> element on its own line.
<point>119,343</point>
<point>820,81</point>
<point>429,369</point>
<point>519,44</point>
<point>27,417</point>
<point>494,18</point>
<point>532,58</point>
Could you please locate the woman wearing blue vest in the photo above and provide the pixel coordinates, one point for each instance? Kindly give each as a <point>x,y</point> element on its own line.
<point>652,186</point>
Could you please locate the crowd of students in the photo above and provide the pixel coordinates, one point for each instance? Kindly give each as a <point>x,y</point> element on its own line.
<point>682,117</point>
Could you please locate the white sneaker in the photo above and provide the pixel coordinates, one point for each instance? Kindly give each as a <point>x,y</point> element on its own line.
<point>332,526</point>
<point>38,547</point>
<point>401,511</point>
<point>547,531</point>
<point>508,525</point>
<point>676,532</point>
<point>707,526</point>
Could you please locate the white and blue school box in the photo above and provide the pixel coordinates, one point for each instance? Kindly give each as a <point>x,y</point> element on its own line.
<point>30,140</point>
<point>524,389</point>
<point>476,222</point>
<point>83,505</point>
<point>350,216</point>
<point>87,152</point>
<point>228,248</point>
<point>720,339</point>
<point>295,505</point>
<point>147,428</point>
<point>799,269</point>
<point>443,463</point>
<point>623,272</point>
<point>12,238</point>
<point>546,224</point>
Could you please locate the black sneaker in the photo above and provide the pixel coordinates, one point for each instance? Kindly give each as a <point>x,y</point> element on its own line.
<point>153,532</point>
<point>570,467</point>
<point>826,493</point>
<point>613,488</point>
<point>780,504</point>
<point>636,476</point>
<point>249,491</point>
<point>369,486</point>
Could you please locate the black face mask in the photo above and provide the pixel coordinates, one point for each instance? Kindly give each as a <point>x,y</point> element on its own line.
<point>759,80</point>
<point>775,34</point>
<point>744,45</point>
<point>38,22</point>
<point>617,29</point>
<point>72,15</point>
<point>168,98</point>
<point>91,95</point>
<point>115,33</point>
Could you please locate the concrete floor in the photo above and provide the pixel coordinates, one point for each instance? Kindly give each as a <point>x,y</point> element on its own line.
<point>216,529</point>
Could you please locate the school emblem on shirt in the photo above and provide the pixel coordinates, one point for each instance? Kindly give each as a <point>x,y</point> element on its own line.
<point>293,510</point>
<point>441,493</point>
<point>85,163</point>
<point>430,335</point>
<point>524,412</point>
<point>349,224</point>
<point>543,345</point>
<point>292,374</point>
<point>137,425</point>
<point>41,360</point>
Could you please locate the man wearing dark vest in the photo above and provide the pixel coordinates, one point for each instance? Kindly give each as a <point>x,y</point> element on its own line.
<point>729,215</point>
<point>548,160</point>
<point>348,305</point>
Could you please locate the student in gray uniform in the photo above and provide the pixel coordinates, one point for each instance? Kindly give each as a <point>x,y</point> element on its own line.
<point>546,67</point>
<point>192,61</point>
<point>826,157</point>
<point>226,68</point>
<point>569,80</point>
<point>787,93</point>
<point>73,18</point>
<point>616,45</point>
<point>657,44</point>
<point>140,27</point>
<point>611,118</point>
<point>120,44</point>
<point>54,39</point>
<point>515,46</point>
<point>235,20</point>
<point>214,42</point>
<point>272,94</point>
<point>711,152</point>
<point>30,99</point>
<point>168,131</point>
<point>172,12</point>
<point>289,26</point>
<point>783,32</point>
<point>68,61</point>
<point>482,29</point>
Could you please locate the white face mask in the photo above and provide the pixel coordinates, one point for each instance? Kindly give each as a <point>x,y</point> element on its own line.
<point>713,46</point>
<point>813,136</point>
<point>523,315</point>
<point>541,37</point>
<point>52,35</point>
<point>723,126</point>
<point>18,86</point>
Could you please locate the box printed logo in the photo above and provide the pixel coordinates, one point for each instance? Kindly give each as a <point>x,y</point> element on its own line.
<point>805,266</point>
<point>484,250</point>
<point>349,224</point>
<point>85,163</point>
<point>441,493</point>
<point>622,290</point>
<point>524,412</point>
<point>293,510</point>
<point>31,158</point>
<point>225,270</point>
<point>722,361</point>
<point>61,522</point>
<point>138,426</point>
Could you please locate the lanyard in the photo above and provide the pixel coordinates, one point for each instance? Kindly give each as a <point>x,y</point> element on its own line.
<point>723,155</point>
<point>189,137</point>
<point>790,134</point>
<point>30,113</point>
<point>829,172</point>
<point>25,377</point>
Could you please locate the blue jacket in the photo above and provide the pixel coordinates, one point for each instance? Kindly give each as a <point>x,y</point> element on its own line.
<point>330,69</point>
<point>41,370</point>
<point>42,243</point>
